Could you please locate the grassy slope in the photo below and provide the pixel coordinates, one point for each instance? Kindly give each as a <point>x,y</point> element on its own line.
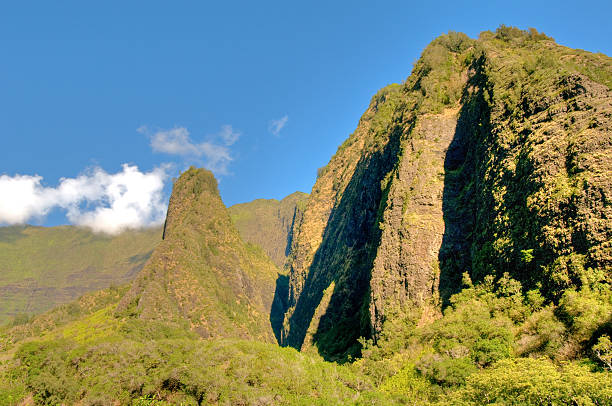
<point>41,267</point>
<point>83,353</point>
<point>268,223</point>
<point>523,187</point>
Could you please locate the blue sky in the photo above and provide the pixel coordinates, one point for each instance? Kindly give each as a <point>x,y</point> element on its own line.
<point>264,92</point>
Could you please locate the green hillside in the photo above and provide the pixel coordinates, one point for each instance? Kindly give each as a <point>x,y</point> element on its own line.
<point>454,251</point>
<point>82,353</point>
<point>493,158</point>
<point>269,223</point>
<point>41,267</point>
<point>202,276</point>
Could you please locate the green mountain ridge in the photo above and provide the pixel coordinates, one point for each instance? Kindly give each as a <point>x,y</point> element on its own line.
<point>493,157</point>
<point>42,267</point>
<point>269,223</point>
<point>202,274</point>
<point>455,250</point>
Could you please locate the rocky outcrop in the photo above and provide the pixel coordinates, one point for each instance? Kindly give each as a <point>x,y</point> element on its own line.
<point>202,276</point>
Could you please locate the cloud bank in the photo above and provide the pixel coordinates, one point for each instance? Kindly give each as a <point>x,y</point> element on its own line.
<point>275,126</point>
<point>216,153</point>
<point>104,202</point>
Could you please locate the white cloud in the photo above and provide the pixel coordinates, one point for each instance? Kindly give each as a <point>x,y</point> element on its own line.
<point>275,126</point>
<point>217,157</point>
<point>104,202</point>
<point>23,198</point>
<point>215,152</point>
<point>229,135</point>
<point>175,142</point>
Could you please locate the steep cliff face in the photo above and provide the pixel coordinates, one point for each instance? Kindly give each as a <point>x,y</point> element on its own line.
<point>202,275</point>
<point>269,223</point>
<point>379,194</point>
<point>531,167</point>
<point>494,156</point>
<point>406,272</point>
<point>336,239</point>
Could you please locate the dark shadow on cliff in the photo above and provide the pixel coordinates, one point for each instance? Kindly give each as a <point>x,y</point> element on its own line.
<point>459,200</point>
<point>345,257</point>
<point>297,216</point>
<point>485,236</point>
<point>279,305</point>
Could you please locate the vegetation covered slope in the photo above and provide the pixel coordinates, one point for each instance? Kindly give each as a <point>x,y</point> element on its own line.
<point>42,267</point>
<point>144,343</point>
<point>83,353</point>
<point>493,157</point>
<point>269,223</point>
<point>202,274</point>
<point>502,337</point>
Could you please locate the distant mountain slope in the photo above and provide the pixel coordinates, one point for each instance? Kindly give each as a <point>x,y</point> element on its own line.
<point>41,267</point>
<point>269,223</point>
<point>202,275</point>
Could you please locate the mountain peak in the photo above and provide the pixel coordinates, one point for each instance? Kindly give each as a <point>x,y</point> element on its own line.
<point>493,157</point>
<point>202,273</point>
<point>192,191</point>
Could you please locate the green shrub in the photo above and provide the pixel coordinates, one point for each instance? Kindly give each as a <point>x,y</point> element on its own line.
<point>446,371</point>
<point>409,386</point>
<point>541,334</point>
<point>585,311</point>
<point>527,381</point>
<point>603,351</point>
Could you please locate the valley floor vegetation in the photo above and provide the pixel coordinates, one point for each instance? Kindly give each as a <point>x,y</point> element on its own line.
<point>495,344</point>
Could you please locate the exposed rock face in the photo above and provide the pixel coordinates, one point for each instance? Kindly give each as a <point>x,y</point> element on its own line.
<point>269,223</point>
<point>202,274</point>
<point>494,156</point>
<point>406,271</point>
<point>339,232</point>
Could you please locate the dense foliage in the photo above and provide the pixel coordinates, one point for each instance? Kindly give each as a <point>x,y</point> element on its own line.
<point>494,344</point>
